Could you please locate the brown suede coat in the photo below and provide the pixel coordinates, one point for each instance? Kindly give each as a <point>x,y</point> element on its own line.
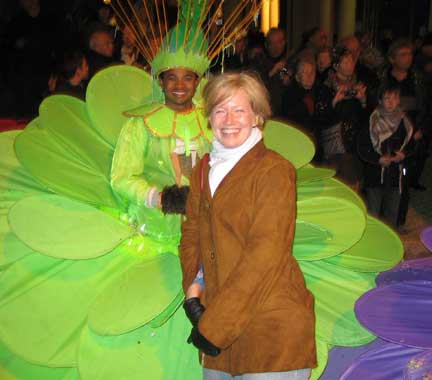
<point>258,309</point>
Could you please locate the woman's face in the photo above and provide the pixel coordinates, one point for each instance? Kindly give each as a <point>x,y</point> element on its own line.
<point>346,65</point>
<point>232,120</point>
<point>306,76</point>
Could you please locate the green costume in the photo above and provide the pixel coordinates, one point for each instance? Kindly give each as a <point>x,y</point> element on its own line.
<point>88,292</point>
<point>145,158</point>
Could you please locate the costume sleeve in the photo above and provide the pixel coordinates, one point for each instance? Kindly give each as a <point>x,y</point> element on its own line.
<point>266,255</point>
<point>128,162</point>
<point>189,245</point>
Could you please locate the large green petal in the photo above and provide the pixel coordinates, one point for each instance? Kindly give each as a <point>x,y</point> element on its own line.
<point>310,173</point>
<point>291,143</point>
<point>378,250</point>
<point>329,187</point>
<point>13,177</point>
<point>113,91</point>
<point>65,117</point>
<point>322,206</point>
<point>11,248</point>
<point>15,184</point>
<point>336,290</point>
<point>51,162</point>
<point>64,228</point>
<point>14,368</point>
<point>44,303</point>
<point>144,353</point>
<point>138,296</point>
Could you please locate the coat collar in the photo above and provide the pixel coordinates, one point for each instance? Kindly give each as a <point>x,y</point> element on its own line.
<point>245,165</point>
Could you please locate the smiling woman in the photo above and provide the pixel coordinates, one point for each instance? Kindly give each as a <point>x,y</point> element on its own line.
<point>257,311</point>
<point>235,103</point>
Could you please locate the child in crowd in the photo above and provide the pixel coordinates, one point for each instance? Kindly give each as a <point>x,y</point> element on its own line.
<point>384,149</point>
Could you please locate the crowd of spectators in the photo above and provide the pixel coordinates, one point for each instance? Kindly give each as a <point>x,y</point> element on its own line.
<point>329,91</point>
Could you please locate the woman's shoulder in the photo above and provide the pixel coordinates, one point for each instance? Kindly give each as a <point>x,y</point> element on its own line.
<point>275,161</point>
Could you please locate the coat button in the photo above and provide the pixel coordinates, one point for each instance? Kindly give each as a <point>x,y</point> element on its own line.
<point>212,254</point>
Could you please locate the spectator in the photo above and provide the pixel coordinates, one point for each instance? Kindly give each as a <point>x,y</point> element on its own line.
<point>313,41</point>
<point>323,63</point>
<point>340,112</point>
<point>101,50</point>
<point>299,96</point>
<point>238,60</point>
<point>414,102</point>
<point>423,62</point>
<point>364,74</point>
<point>273,67</point>
<point>74,72</point>
<point>383,148</point>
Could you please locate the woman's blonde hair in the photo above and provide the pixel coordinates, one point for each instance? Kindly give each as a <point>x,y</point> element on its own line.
<point>222,87</point>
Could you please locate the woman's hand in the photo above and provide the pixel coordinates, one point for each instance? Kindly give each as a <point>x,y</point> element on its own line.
<point>385,160</point>
<point>360,92</point>
<point>277,67</point>
<point>398,157</point>
<point>340,94</point>
<point>418,135</point>
<point>201,342</point>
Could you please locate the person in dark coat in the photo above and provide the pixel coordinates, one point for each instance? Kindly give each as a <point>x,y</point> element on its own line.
<point>299,97</point>
<point>340,111</point>
<point>383,149</point>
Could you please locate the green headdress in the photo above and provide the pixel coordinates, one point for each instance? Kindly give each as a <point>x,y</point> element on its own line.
<point>195,39</point>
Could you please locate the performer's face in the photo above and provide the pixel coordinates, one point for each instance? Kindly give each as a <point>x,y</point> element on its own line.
<point>179,86</point>
<point>232,120</point>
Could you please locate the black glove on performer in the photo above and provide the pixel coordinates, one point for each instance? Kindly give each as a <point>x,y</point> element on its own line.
<point>174,199</point>
<point>200,342</point>
<point>193,309</point>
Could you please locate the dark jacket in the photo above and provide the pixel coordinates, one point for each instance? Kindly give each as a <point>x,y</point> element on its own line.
<point>374,174</point>
<point>298,105</point>
<point>349,112</point>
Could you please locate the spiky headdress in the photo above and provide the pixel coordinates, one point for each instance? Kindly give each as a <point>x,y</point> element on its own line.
<point>193,42</point>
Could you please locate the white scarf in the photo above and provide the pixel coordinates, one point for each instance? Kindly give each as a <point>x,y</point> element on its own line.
<point>222,159</point>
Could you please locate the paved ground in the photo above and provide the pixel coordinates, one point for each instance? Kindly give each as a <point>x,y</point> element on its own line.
<point>419,217</point>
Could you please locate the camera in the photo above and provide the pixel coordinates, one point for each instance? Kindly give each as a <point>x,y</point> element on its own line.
<point>351,93</point>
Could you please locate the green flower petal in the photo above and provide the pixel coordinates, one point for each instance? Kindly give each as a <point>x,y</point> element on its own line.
<point>63,228</point>
<point>14,368</point>
<point>13,177</point>
<point>65,118</point>
<point>336,290</point>
<point>321,208</point>
<point>61,169</point>
<point>44,303</point>
<point>138,296</point>
<point>378,250</point>
<point>309,174</point>
<point>113,91</point>
<point>300,149</point>
<point>144,353</point>
<point>11,248</point>
<point>15,184</point>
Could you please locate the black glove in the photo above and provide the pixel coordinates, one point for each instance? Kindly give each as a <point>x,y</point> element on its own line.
<point>174,199</point>
<point>193,309</point>
<point>200,342</point>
